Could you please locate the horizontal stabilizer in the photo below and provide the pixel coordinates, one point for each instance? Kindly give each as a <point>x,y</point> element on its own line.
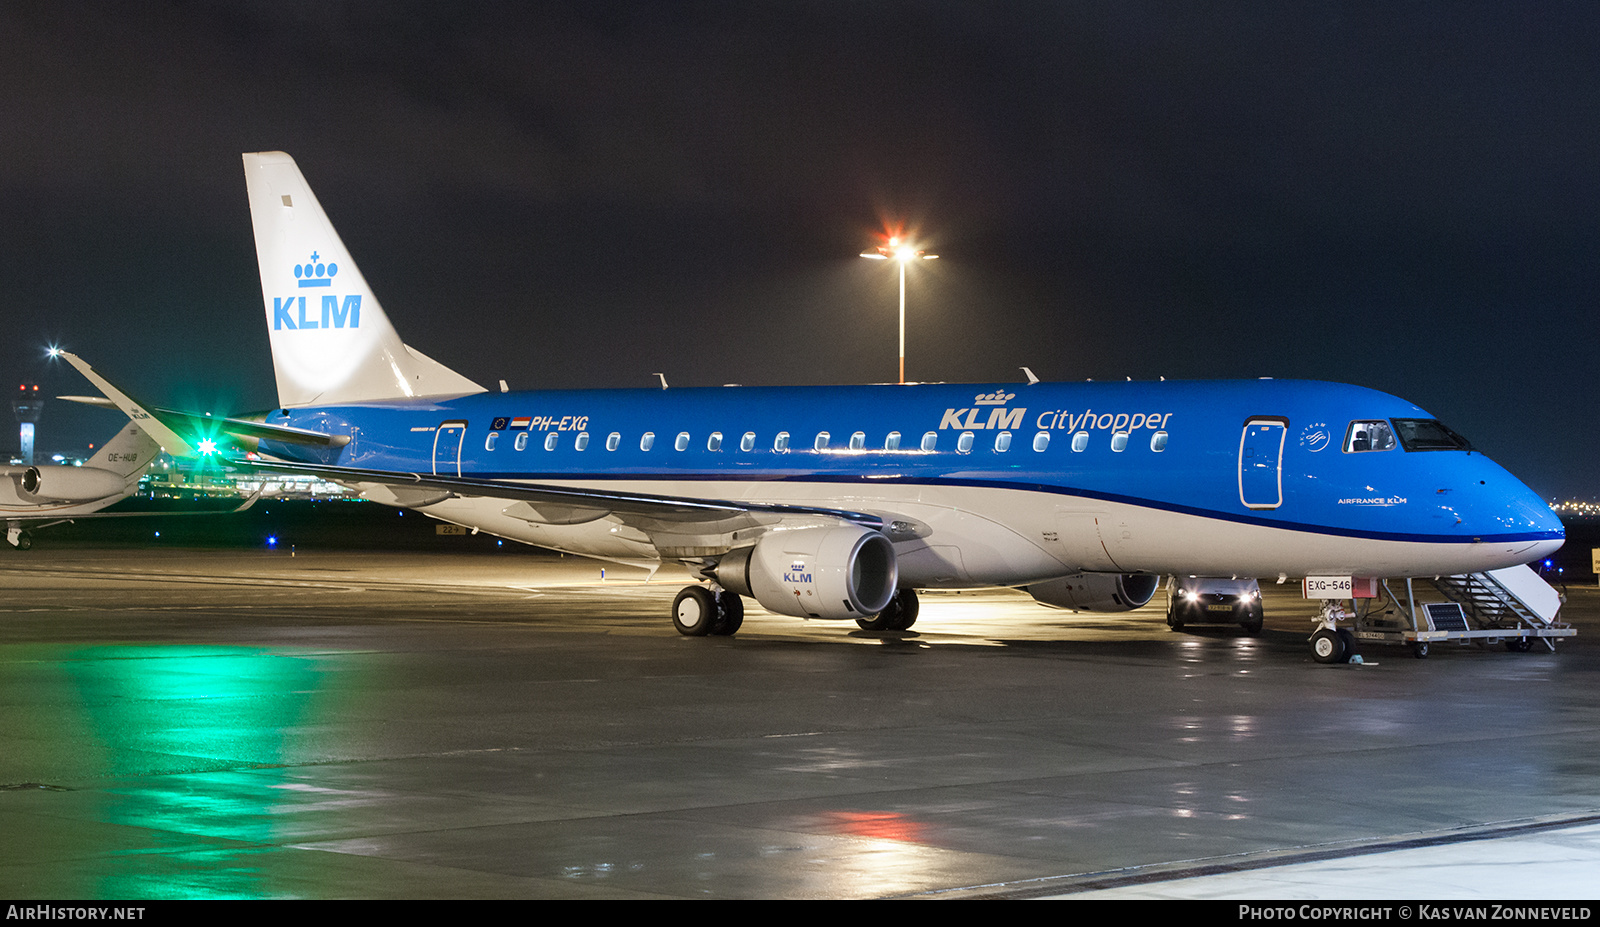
<point>100,401</point>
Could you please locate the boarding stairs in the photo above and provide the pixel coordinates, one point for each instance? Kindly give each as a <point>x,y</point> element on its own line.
<point>1515,600</point>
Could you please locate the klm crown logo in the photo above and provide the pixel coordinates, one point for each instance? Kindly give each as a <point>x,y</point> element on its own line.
<point>316,273</point>
<point>290,312</point>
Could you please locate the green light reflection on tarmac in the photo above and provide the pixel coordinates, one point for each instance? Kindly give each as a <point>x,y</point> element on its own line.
<point>177,723</point>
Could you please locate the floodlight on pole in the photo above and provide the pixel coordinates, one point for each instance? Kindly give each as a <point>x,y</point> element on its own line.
<point>902,253</point>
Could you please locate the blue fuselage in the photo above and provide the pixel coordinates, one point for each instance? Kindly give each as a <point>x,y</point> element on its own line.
<point>1234,455</point>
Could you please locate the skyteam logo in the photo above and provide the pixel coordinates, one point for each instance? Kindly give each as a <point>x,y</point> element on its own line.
<point>291,312</point>
<point>1316,437</point>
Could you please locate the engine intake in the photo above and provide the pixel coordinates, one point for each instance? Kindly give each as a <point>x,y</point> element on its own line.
<point>1097,592</point>
<point>824,572</point>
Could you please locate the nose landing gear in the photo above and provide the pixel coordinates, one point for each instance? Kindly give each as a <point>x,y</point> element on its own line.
<point>1331,643</point>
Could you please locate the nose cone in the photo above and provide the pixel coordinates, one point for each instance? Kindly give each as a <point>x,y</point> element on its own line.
<point>1513,517</point>
<point>1548,523</point>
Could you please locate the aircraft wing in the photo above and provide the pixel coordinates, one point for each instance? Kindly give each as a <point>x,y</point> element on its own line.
<point>45,521</point>
<point>16,527</point>
<point>565,505</point>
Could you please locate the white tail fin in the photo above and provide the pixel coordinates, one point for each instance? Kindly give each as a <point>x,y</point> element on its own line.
<point>127,454</point>
<point>331,342</point>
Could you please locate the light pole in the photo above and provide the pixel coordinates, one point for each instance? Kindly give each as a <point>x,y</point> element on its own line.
<point>903,254</point>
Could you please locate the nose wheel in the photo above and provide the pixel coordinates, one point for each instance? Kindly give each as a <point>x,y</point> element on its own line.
<point>1331,643</point>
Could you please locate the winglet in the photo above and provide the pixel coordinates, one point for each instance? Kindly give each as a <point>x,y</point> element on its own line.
<point>154,427</point>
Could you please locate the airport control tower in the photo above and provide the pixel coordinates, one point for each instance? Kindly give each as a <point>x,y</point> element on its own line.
<point>28,405</point>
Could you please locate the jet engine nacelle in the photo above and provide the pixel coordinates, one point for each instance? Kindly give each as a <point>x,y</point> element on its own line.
<point>824,572</point>
<point>1097,592</point>
<point>67,484</point>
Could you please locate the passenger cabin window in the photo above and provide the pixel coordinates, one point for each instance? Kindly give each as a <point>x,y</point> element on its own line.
<point>551,439</point>
<point>1158,442</point>
<point>1119,441</point>
<point>714,443</point>
<point>1002,442</point>
<point>613,441</point>
<point>821,444</point>
<point>647,441</point>
<point>892,442</point>
<point>964,443</point>
<point>1041,441</point>
<point>682,442</point>
<point>780,443</point>
<point>858,441</point>
<point>1426,434</point>
<point>1368,436</point>
<point>1080,442</point>
<point>929,440</point>
<point>522,440</point>
<point>748,442</point>
<point>582,444</point>
<point>491,441</point>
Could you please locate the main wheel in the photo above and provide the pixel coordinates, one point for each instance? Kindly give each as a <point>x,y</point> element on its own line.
<point>1327,647</point>
<point>694,611</point>
<point>1348,639</point>
<point>905,606</point>
<point>730,614</point>
<point>899,615</point>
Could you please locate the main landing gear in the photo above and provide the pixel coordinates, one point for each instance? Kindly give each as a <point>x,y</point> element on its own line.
<point>702,610</point>
<point>1330,643</point>
<point>899,615</point>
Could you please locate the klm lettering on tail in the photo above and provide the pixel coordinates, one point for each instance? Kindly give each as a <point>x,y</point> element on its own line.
<point>290,312</point>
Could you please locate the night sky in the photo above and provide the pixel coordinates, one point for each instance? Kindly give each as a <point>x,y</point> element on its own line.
<point>1398,195</point>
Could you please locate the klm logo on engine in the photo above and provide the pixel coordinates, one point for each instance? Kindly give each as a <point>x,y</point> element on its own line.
<point>988,411</point>
<point>291,312</point>
<point>797,574</point>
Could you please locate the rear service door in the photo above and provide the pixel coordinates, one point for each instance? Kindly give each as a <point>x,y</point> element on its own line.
<point>1261,462</point>
<point>447,448</point>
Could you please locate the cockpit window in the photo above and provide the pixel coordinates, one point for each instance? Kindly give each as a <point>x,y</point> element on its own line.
<point>1368,436</point>
<point>1426,434</point>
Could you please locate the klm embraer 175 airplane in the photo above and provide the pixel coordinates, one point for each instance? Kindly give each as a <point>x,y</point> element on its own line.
<point>841,502</point>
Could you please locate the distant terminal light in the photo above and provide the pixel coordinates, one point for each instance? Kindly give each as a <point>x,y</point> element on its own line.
<point>1577,508</point>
